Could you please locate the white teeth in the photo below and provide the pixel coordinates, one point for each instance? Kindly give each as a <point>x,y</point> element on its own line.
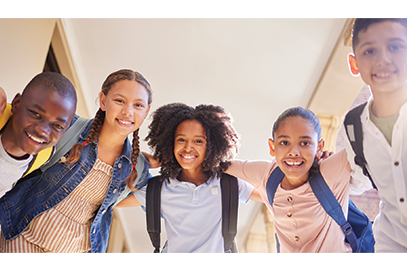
<point>294,163</point>
<point>188,157</point>
<point>384,74</point>
<point>35,139</point>
<point>125,122</point>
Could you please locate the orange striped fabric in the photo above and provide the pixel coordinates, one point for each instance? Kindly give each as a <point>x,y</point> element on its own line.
<point>66,227</point>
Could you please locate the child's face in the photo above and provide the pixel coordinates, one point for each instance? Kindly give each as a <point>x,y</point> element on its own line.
<point>126,106</point>
<point>295,146</point>
<point>190,144</point>
<point>40,118</point>
<point>381,57</point>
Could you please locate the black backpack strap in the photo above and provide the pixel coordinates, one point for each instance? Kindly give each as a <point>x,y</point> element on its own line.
<point>153,211</point>
<point>353,128</point>
<point>230,205</point>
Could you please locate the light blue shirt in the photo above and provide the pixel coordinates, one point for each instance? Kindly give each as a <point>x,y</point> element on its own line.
<point>193,215</point>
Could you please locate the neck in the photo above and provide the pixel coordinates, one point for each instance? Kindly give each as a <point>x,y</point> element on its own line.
<point>388,104</point>
<point>110,146</point>
<point>291,183</point>
<point>197,177</point>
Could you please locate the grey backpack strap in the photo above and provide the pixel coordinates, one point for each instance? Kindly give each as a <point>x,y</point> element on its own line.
<point>69,139</point>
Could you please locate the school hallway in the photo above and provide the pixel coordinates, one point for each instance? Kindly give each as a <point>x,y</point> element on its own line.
<point>254,68</point>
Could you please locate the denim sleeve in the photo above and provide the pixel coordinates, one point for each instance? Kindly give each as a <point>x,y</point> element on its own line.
<point>143,175</point>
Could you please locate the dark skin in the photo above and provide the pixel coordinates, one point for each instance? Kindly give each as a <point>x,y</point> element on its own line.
<point>40,118</point>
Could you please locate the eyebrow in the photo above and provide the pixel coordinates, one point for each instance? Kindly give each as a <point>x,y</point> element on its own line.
<point>194,135</point>
<point>39,108</point>
<point>302,137</point>
<point>123,96</point>
<point>368,43</point>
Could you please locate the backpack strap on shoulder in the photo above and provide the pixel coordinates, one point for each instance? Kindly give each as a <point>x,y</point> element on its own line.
<point>230,205</point>
<point>153,211</point>
<point>353,128</point>
<point>273,182</point>
<point>331,205</point>
<point>70,138</point>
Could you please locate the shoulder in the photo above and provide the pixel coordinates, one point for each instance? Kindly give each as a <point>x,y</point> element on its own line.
<point>336,166</point>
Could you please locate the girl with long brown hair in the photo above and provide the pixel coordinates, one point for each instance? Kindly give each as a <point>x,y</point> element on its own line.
<point>68,207</point>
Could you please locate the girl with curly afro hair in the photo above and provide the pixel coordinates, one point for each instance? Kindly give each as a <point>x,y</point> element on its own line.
<point>193,146</point>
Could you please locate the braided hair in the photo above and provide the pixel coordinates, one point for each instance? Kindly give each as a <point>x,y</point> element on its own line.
<point>221,142</point>
<point>97,123</point>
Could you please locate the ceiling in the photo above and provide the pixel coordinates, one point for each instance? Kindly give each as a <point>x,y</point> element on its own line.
<point>255,68</point>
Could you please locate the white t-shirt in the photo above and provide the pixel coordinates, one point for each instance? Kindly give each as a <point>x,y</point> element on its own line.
<point>11,170</point>
<point>193,215</point>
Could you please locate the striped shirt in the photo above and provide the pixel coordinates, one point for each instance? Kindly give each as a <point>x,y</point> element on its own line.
<point>66,227</point>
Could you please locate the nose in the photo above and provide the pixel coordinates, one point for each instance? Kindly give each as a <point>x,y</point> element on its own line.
<point>188,145</point>
<point>43,128</point>
<point>294,151</point>
<point>127,110</point>
<point>383,58</point>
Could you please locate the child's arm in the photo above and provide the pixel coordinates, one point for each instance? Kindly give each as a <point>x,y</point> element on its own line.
<point>153,163</point>
<point>130,201</point>
<point>3,100</point>
<point>255,195</point>
<point>253,172</point>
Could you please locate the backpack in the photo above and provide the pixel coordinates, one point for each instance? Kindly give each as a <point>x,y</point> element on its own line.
<point>38,159</point>
<point>230,204</point>
<point>354,132</point>
<point>357,228</point>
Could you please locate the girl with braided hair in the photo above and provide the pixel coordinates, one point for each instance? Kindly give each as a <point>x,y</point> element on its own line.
<point>193,147</point>
<point>68,207</point>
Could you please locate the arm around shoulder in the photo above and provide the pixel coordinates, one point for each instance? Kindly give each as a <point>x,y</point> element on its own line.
<point>254,172</point>
<point>3,100</point>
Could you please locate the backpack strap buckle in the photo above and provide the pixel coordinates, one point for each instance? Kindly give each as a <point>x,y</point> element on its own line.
<point>347,229</point>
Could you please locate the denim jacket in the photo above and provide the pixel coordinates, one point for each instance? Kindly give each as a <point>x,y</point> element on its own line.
<point>38,193</point>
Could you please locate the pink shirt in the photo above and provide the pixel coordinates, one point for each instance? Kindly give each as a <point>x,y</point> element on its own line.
<point>301,223</point>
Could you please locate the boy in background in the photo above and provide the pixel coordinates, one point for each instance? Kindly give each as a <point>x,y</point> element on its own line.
<point>33,122</point>
<point>380,58</point>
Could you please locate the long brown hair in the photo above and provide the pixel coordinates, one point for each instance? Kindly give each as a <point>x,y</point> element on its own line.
<point>97,123</point>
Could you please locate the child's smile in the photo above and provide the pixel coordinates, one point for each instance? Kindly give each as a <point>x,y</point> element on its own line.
<point>381,56</point>
<point>41,117</point>
<point>295,147</point>
<point>190,145</point>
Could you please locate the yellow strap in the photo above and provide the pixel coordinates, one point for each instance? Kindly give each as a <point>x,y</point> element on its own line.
<point>42,157</point>
<point>5,116</point>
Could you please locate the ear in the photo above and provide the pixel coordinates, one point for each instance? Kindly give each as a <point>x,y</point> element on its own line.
<point>353,67</point>
<point>102,101</point>
<point>15,103</point>
<point>320,148</point>
<point>148,110</point>
<point>271,146</point>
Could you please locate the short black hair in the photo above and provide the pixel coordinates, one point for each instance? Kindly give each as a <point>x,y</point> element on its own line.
<point>361,24</point>
<point>55,81</point>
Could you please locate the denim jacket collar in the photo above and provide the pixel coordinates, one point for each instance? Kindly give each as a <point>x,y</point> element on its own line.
<point>126,153</point>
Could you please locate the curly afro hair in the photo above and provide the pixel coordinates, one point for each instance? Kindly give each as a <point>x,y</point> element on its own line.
<point>222,141</point>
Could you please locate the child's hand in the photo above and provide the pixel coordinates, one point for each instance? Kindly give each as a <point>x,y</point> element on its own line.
<point>151,161</point>
<point>325,154</point>
<point>3,100</point>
